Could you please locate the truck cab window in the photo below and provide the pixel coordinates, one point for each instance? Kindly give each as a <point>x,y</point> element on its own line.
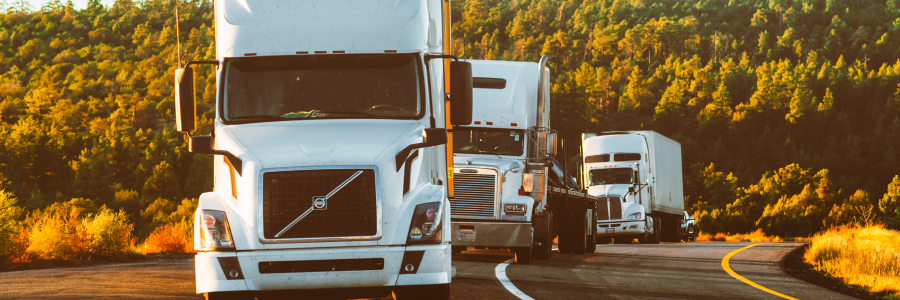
<point>627,156</point>
<point>488,141</point>
<point>611,176</point>
<point>596,158</point>
<point>276,88</point>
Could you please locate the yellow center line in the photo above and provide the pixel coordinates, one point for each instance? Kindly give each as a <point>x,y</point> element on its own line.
<point>745,280</point>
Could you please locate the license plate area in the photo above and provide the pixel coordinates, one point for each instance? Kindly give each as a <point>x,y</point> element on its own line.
<point>466,233</point>
<point>610,230</point>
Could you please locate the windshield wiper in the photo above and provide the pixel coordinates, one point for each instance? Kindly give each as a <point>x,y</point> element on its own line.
<point>312,113</point>
<point>256,118</point>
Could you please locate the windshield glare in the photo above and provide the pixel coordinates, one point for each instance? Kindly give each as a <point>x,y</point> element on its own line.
<point>488,141</point>
<point>611,176</point>
<point>323,86</point>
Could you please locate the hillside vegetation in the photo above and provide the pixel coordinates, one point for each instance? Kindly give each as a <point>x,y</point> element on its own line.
<point>788,111</point>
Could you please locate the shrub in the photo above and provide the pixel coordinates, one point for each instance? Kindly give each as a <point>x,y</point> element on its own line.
<point>171,237</point>
<point>867,256</point>
<point>9,227</point>
<point>108,233</point>
<point>58,235</point>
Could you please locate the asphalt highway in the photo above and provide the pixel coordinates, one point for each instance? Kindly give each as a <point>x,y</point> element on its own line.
<point>665,271</point>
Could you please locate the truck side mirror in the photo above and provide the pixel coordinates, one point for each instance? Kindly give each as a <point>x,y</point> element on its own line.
<point>460,93</point>
<point>185,107</point>
<point>435,136</point>
<point>551,143</point>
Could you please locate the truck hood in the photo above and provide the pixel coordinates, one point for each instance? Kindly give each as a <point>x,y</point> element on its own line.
<point>492,161</point>
<point>321,142</point>
<point>612,190</point>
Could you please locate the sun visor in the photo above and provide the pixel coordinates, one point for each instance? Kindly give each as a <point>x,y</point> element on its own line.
<point>282,27</point>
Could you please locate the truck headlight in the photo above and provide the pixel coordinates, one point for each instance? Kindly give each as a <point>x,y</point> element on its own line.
<point>215,234</point>
<point>425,227</point>
<point>634,216</point>
<point>515,209</point>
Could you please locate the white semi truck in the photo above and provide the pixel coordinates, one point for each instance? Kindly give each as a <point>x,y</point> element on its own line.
<point>503,198</point>
<point>331,144</point>
<point>637,176</point>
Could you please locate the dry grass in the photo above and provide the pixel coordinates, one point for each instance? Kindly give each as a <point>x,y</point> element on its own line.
<point>867,256</point>
<point>757,236</point>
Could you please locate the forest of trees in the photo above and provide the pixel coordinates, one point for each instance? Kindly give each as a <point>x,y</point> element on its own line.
<point>788,112</point>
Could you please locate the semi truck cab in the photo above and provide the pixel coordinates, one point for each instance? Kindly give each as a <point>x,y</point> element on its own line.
<point>330,136</point>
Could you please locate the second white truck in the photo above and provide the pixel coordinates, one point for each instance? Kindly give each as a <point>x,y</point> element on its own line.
<point>637,176</point>
<point>504,192</point>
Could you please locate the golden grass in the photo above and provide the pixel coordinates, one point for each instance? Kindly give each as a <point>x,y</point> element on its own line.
<point>867,256</point>
<point>757,236</point>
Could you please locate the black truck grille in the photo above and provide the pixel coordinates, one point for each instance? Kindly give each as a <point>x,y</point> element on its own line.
<point>350,211</point>
<point>609,210</point>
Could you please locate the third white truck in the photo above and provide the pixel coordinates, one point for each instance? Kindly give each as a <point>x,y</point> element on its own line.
<point>637,176</point>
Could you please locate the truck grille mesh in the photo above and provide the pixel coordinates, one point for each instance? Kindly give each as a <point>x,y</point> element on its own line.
<point>474,195</point>
<point>611,212</point>
<point>349,212</point>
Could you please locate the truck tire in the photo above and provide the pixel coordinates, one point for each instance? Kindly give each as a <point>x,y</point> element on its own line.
<point>430,292</point>
<point>657,229</point>
<point>577,232</point>
<point>563,240</point>
<point>543,251</point>
<point>523,255</point>
<point>591,241</point>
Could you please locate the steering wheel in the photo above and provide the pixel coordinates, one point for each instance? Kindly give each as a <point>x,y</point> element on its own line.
<point>385,107</point>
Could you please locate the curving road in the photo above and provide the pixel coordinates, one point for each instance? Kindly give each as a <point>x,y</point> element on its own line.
<point>666,271</point>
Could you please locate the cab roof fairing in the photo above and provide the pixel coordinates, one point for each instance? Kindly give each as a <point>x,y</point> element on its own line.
<point>516,102</point>
<point>609,144</point>
<point>286,27</point>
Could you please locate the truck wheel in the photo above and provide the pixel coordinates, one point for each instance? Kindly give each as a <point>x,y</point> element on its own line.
<point>657,227</point>
<point>577,232</point>
<point>591,241</point>
<point>543,252</point>
<point>430,292</point>
<point>563,235</point>
<point>523,255</point>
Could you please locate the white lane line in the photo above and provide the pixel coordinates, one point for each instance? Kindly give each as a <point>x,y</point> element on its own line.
<point>500,272</point>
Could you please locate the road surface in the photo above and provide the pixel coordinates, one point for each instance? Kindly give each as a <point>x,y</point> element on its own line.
<point>666,271</point>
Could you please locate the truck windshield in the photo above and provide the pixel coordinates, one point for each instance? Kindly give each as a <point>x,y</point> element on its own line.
<point>488,141</point>
<point>611,176</point>
<point>373,86</point>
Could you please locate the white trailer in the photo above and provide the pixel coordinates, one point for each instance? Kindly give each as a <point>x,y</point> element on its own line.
<point>637,175</point>
<point>501,197</point>
<point>332,149</point>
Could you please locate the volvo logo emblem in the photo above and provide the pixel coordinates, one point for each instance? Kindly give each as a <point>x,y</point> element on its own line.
<point>320,203</point>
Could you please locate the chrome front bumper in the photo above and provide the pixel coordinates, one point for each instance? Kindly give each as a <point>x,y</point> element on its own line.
<point>492,234</point>
<point>621,228</point>
<point>213,276</point>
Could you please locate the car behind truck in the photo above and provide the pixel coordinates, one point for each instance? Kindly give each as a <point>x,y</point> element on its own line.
<point>331,167</point>
<point>503,197</point>
<point>637,176</point>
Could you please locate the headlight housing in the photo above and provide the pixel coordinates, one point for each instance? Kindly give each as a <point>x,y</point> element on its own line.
<point>635,216</point>
<point>515,209</point>
<point>215,234</point>
<point>425,227</point>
